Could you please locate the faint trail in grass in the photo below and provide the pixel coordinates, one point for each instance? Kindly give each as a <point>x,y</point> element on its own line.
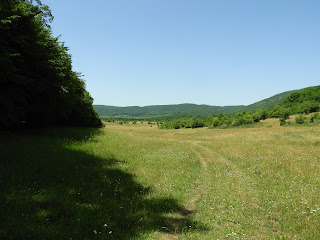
<point>257,183</point>
<point>190,206</point>
<point>246,187</point>
<point>219,173</point>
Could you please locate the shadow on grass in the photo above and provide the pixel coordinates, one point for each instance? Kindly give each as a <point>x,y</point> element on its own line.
<point>52,191</point>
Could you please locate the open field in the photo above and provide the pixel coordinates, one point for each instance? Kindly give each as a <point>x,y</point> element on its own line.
<point>134,181</point>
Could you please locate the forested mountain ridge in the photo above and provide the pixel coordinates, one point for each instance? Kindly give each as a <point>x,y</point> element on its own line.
<point>188,109</point>
<point>37,84</point>
<point>185,109</point>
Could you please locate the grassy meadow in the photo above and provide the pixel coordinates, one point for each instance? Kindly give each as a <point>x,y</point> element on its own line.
<point>135,181</point>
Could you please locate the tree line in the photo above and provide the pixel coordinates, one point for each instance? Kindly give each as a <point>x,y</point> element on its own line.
<point>37,84</point>
<point>305,101</point>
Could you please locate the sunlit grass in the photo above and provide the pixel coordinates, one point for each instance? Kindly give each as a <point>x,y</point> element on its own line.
<point>134,181</point>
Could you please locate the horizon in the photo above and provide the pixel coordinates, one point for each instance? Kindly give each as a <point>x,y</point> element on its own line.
<point>201,104</point>
<point>146,53</point>
<point>171,105</point>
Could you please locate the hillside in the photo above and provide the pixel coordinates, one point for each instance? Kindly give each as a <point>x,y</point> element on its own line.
<point>305,101</point>
<point>268,103</point>
<point>185,109</point>
<point>188,109</point>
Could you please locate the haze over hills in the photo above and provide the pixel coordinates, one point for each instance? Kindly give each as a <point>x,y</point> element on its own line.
<point>188,109</point>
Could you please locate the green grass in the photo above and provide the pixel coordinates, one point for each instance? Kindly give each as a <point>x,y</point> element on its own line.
<point>73,182</point>
<point>136,182</point>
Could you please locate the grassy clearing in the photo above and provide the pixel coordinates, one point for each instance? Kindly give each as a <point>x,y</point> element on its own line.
<point>134,181</point>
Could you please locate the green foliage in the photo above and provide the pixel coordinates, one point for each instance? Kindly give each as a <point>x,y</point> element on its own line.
<point>300,119</point>
<point>238,121</point>
<point>282,121</point>
<point>216,122</point>
<point>220,121</point>
<point>179,110</point>
<point>277,106</point>
<point>305,101</point>
<point>309,106</point>
<point>262,114</point>
<point>270,102</point>
<point>189,110</point>
<point>197,122</point>
<point>293,97</point>
<point>194,122</point>
<point>315,117</point>
<point>37,84</point>
<point>244,118</point>
<point>279,112</point>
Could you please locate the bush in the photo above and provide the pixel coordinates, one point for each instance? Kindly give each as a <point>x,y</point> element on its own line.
<point>248,119</point>
<point>300,119</point>
<point>282,121</point>
<point>256,117</point>
<point>238,121</point>
<point>216,122</point>
<point>279,112</point>
<point>197,122</point>
<point>262,113</point>
<point>309,106</point>
<point>314,117</point>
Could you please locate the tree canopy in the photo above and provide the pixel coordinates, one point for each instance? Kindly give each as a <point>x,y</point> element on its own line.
<point>305,101</point>
<point>37,83</point>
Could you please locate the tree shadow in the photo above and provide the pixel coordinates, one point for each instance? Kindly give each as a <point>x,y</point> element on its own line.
<point>52,191</point>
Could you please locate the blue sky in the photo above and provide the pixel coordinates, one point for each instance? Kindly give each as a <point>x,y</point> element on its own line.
<point>156,52</point>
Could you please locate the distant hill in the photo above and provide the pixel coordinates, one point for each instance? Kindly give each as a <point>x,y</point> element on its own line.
<point>268,103</point>
<point>185,109</point>
<point>188,109</point>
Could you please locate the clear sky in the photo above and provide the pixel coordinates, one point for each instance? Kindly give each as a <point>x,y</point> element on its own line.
<point>215,52</point>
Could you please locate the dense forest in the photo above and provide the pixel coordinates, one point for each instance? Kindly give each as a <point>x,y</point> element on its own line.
<point>181,110</point>
<point>37,84</point>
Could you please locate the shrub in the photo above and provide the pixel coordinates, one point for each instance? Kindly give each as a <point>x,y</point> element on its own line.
<point>262,113</point>
<point>238,121</point>
<point>256,117</point>
<point>300,119</point>
<point>216,122</point>
<point>279,112</point>
<point>314,117</point>
<point>248,119</point>
<point>197,122</point>
<point>282,121</point>
<point>309,106</point>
